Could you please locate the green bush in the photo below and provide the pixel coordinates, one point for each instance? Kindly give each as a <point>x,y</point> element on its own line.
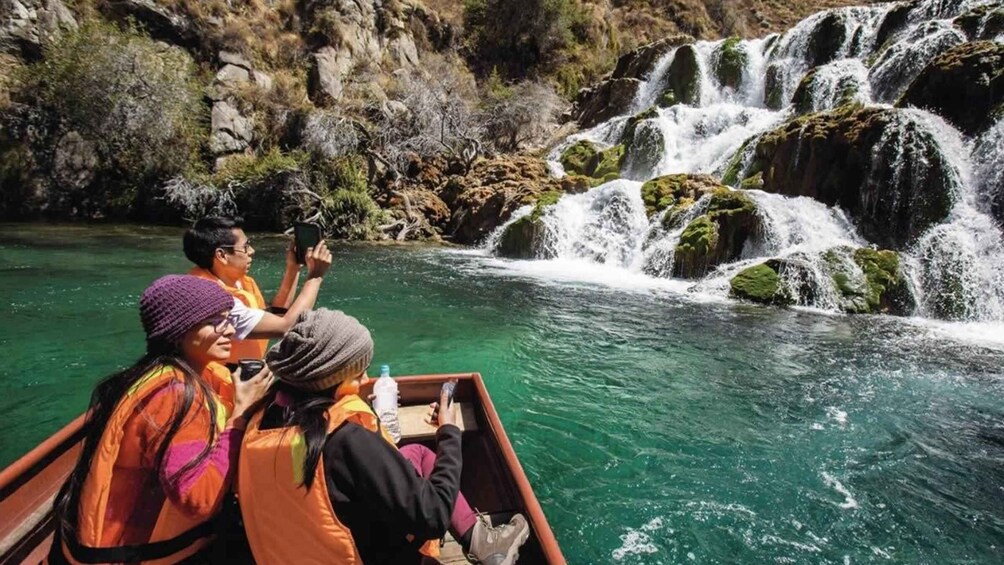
<point>247,170</point>
<point>351,215</point>
<point>518,35</point>
<point>137,99</point>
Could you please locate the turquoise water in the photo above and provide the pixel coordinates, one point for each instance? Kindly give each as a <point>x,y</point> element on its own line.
<point>655,426</point>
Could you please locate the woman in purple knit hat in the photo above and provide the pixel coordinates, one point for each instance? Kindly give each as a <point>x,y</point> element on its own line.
<point>161,446</point>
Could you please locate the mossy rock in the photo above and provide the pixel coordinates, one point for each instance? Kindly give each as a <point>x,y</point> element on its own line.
<point>578,158</point>
<point>733,219</point>
<point>965,84</point>
<point>850,157</point>
<point>887,288</point>
<point>697,241</point>
<point>753,182</point>
<point>879,287</point>
<point>759,283</point>
<point>549,198</point>
<point>730,60</point>
<point>667,191</point>
<point>735,166</point>
<point>684,76</point>
<point>631,127</point>
<point>608,162</point>
<point>667,99</point>
<point>522,238</point>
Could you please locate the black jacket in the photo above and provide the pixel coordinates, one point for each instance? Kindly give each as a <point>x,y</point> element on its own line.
<point>379,495</point>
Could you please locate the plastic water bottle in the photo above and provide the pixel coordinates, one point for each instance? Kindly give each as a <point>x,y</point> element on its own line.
<point>385,403</point>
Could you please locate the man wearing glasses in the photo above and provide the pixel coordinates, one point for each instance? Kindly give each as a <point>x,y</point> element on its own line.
<point>223,253</point>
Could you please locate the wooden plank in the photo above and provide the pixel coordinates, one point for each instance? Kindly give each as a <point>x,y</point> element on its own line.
<point>451,553</point>
<point>414,426</point>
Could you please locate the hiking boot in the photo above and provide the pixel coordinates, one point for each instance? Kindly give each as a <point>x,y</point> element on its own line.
<point>498,545</point>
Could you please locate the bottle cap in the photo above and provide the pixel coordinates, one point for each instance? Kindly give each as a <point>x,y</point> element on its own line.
<point>384,369</point>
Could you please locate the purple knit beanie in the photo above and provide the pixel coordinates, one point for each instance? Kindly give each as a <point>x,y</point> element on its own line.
<point>174,304</point>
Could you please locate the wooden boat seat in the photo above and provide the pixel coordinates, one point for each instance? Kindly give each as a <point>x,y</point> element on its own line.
<point>415,428</point>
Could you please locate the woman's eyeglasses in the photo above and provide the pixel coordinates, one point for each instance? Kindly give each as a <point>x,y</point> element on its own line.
<point>220,323</point>
<point>245,249</point>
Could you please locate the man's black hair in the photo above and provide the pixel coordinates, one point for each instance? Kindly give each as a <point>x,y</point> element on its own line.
<point>207,235</point>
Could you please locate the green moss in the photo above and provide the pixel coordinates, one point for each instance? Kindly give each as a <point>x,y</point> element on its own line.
<point>754,182</point>
<point>546,199</point>
<point>608,162</point>
<point>667,99</point>
<point>730,59</point>
<point>726,201</point>
<point>759,283</point>
<point>734,169</point>
<point>881,269</point>
<point>578,158</point>
<point>661,193</point>
<point>698,238</point>
<point>670,217</point>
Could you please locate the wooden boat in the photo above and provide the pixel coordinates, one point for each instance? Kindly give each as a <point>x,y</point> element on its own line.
<point>493,479</point>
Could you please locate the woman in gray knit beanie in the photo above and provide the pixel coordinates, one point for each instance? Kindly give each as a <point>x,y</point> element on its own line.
<point>388,500</point>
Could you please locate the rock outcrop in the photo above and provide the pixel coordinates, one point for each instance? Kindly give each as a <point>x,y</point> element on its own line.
<point>26,24</point>
<point>878,164</point>
<point>965,85</point>
<point>717,236</point>
<point>606,100</point>
<point>487,197</point>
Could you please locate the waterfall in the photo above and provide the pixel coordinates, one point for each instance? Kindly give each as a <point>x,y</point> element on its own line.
<point>955,267</point>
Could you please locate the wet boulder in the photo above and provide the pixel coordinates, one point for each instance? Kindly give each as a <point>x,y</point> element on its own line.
<point>606,100</point>
<point>827,39</point>
<point>805,97</point>
<point>643,143</point>
<point>869,281</point>
<point>982,22</point>
<point>683,79</point>
<point>761,284</point>
<point>965,85</point>
<point>718,236</point>
<point>584,159</point>
<point>895,20</point>
<point>641,62</point>
<point>881,165</point>
<point>729,61</point>
<point>524,238</point>
<point>773,86</point>
<point>672,194</point>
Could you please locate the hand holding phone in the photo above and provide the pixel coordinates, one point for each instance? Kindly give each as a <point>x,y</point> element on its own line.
<point>305,236</point>
<point>250,367</point>
<point>445,411</point>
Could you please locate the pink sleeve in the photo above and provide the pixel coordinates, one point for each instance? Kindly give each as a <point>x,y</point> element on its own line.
<point>197,491</point>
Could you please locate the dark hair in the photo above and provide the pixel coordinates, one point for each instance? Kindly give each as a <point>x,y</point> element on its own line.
<point>105,398</point>
<point>207,235</point>
<point>309,412</point>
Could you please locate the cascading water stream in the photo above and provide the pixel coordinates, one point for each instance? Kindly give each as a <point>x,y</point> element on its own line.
<point>954,268</point>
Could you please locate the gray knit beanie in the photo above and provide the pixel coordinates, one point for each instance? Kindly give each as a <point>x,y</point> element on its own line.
<point>321,350</point>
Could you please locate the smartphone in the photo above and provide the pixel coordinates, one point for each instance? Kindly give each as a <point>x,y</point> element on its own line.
<point>250,367</point>
<point>449,387</point>
<point>306,236</point>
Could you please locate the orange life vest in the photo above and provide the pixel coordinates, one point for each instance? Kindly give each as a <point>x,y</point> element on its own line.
<point>173,527</point>
<point>251,296</point>
<point>285,522</point>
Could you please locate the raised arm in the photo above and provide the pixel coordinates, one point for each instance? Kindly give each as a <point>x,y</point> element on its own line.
<point>318,261</point>
<point>283,298</point>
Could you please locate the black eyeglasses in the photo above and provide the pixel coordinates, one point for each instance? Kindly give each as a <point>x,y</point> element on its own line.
<point>245,249</point>
<point>220,323</point>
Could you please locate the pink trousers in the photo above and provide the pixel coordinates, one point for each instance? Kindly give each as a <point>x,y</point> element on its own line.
<point>424,459</point>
